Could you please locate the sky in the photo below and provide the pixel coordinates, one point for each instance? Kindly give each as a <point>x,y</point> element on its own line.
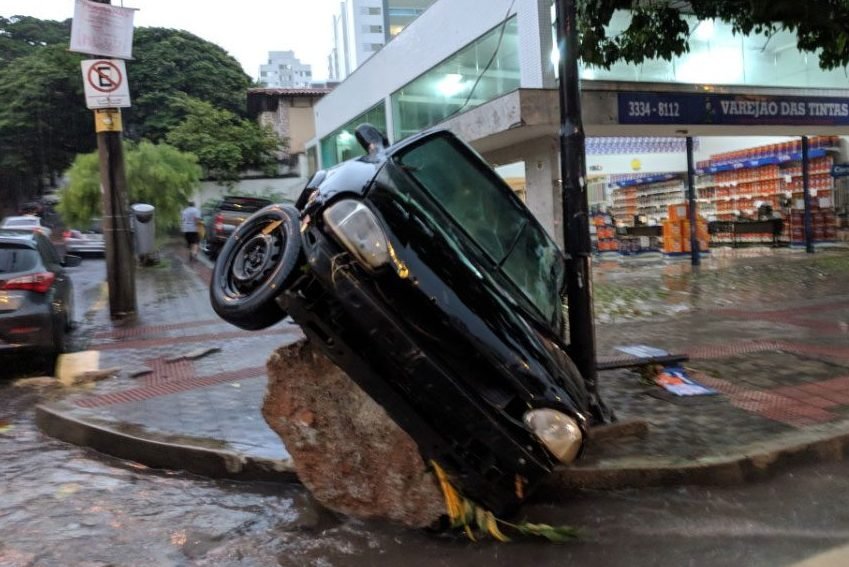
<point>247,29</point>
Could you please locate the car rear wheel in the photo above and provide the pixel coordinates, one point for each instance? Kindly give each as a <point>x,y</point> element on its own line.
<point>255,265</point>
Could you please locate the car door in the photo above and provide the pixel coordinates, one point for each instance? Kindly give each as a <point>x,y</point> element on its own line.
<point>62,287</point>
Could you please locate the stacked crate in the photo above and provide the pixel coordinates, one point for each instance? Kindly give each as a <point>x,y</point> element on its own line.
<point>676,231</point>
<point>823,223</point>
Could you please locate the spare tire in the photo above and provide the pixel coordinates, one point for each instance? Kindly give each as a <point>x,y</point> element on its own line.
<point>255,265</point>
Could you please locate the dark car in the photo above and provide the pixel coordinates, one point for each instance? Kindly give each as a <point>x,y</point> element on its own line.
<point>229,213</point>
<point>420,273</point>
<point>36,295</point>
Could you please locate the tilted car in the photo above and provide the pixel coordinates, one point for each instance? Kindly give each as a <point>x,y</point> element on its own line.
<point>420,273</point>
<point>36,295</point>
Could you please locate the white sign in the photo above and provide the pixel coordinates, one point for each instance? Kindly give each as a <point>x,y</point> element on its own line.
<point>105,82</point>
<point>101,29</point>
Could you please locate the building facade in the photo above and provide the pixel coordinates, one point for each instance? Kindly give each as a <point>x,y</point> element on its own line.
<point>285,71</point>
<point>362,27</point>
<point>487,70</point>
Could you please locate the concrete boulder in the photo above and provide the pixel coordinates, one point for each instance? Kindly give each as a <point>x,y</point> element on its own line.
<point>346,450</point>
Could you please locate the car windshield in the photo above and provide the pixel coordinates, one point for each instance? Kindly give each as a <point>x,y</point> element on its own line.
<point>494,218</point>
<point>15,259</point>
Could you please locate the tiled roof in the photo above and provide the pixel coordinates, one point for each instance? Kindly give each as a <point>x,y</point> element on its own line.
<point>289,92</point>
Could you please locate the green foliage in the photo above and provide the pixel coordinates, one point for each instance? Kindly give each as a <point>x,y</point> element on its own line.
<point>659,31</point>
<point>43,118</point>
<point>157,174</point>
<point>169,63</point>
<point>22,35</point>
<point>224,143</point>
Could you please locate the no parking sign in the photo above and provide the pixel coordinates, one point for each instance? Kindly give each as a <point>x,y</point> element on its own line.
<point>105,82</point>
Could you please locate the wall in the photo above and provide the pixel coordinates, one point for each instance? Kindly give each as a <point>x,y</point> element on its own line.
<point>444,28</point>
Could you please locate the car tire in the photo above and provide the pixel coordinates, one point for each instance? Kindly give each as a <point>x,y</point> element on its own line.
<point>255,265</point>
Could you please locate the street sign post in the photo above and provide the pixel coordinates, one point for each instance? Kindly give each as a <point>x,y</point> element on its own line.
<point>105,32</point>
<point>105,82</point>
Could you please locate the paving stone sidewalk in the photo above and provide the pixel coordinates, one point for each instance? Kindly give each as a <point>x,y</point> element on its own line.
<point>770,335</point>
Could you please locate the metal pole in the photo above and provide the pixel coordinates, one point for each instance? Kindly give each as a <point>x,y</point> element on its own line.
<point>576,229</point>
<point>695,253</point>
<point>806,187</point>
<point>120,260</point>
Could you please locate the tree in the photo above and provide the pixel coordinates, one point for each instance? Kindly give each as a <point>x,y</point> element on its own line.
<point>22,35</point>
<point>174,62</point>
<point>157,174</point>
<point>224,143</point>
<point>43,119</point>
<point>659,29</point>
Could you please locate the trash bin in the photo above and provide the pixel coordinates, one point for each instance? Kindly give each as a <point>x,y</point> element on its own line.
<point>144,228</point>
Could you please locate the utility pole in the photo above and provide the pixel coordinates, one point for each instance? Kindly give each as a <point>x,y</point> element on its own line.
<point>576,227</point>
<point>692,214</point>
<point>120,260</point>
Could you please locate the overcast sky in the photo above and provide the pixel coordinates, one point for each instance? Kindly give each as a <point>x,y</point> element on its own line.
<point>247,29</point>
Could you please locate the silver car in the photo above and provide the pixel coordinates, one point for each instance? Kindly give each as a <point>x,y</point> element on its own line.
<point>88,241</point>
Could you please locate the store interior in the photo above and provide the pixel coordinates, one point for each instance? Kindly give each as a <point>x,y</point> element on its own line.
<point>749,191</point>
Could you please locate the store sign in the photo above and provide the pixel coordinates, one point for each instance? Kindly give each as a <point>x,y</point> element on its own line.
<point>726,109</point>
<point>101,29</point>
<point>840,170</point>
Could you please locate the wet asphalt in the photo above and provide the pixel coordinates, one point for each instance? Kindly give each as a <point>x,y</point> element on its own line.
<point>63,505</point>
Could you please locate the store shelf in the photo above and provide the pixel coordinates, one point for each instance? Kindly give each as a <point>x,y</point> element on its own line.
<point>760,162</point>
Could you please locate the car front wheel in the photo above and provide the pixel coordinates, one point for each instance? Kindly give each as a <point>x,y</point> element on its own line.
<point>256,264</point>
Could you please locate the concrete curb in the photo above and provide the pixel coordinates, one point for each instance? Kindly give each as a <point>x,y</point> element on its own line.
<point>203,461</point>
<point>752,463</point>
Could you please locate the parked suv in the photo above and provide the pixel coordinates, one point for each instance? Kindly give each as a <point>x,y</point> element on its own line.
<point>36,295</point>
<point>230,212</point>
<point>419,272</point>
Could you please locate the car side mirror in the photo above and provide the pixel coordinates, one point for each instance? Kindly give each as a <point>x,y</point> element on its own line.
<point>71,261</point>
<point>370,138</point>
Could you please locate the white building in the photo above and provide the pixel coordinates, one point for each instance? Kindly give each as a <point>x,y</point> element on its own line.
<point>285,71</point>
<point>485,69</point>
<point>363,27</point>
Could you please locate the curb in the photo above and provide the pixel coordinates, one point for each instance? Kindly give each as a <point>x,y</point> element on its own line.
<point>757,463</point>
<point>754,463</point>
<point>202,461</point>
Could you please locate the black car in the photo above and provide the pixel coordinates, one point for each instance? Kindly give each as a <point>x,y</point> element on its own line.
<point>420,273</point>
<point>36,295</point>
<point>227,214</point>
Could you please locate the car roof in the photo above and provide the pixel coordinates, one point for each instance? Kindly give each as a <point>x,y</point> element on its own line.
<point>18,237</point>
<point>22,217</point>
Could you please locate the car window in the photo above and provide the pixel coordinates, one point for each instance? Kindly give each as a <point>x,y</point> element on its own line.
<point>17,259</point>
<point>21,222</point>
<point>489,216</point>
<point>480,203</point>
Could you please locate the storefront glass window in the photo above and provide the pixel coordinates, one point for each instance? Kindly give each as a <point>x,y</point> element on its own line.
<point>718,56</point>
<point>447,88</point>
<point>341,145</point>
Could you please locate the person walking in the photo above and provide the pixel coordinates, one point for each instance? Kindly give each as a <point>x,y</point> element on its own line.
<point>190,218</point>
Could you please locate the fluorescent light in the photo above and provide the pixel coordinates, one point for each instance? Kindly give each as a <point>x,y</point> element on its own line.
<point>451,84</point>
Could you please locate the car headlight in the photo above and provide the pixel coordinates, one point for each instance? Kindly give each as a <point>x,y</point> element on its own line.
<point>557,431</point>
<point>358,230</point>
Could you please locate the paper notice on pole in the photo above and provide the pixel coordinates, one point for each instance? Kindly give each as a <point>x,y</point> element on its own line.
<point>102,29</point>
